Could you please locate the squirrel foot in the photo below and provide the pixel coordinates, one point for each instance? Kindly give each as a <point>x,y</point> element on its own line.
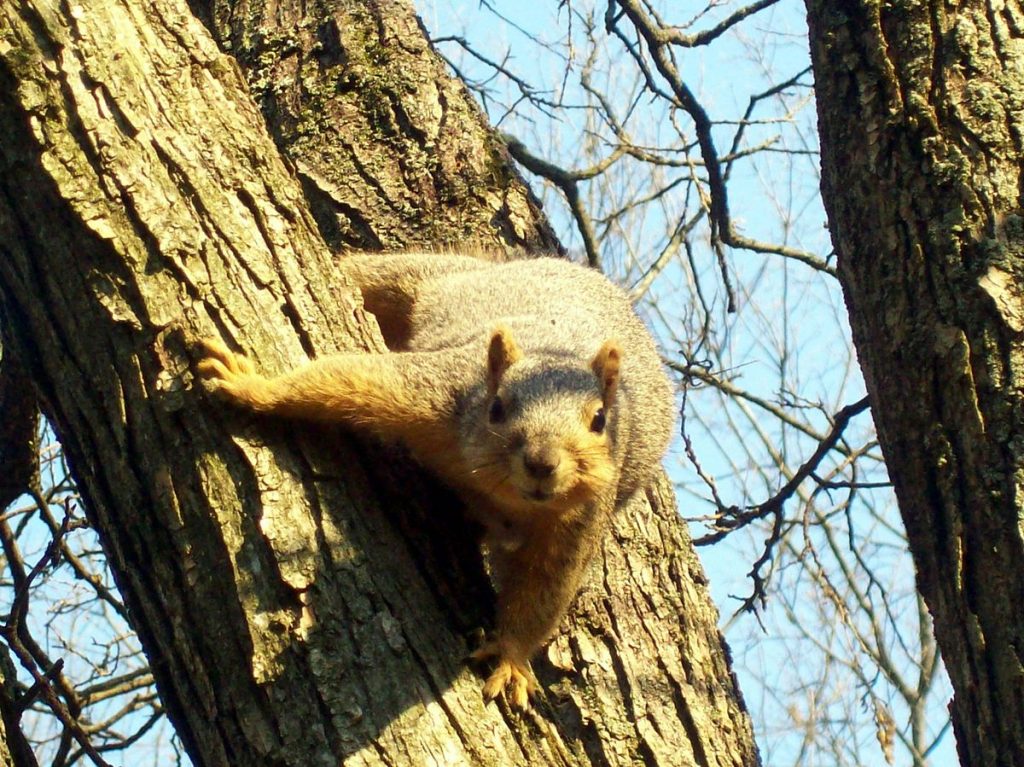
<point>513,679</point>
<point>231,376</point>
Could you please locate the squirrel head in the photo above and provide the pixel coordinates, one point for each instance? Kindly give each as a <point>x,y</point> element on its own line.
<point>543,435</point>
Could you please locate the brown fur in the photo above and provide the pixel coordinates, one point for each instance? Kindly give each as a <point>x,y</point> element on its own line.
<point>529,387</point>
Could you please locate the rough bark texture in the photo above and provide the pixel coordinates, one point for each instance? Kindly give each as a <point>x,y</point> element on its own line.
<point>15,750</point>
<point>295,611</point>
<point>392,152</point>
<point>921,108</point>
<point>19,457</point>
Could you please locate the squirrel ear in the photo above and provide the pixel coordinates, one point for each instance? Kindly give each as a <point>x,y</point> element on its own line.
<point>501,355</point>
<point>606,367</point>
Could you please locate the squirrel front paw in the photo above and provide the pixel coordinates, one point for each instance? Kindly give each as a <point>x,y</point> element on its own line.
<point>511,678</point>
<point>232,377</point>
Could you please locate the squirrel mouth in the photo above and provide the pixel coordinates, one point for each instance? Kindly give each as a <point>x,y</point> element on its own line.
<point>538,495</point>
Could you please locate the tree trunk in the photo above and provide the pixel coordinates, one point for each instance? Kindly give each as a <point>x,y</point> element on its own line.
<point>922,132</point>
<point>391,150</point>
<point>303,600</point>
<point>15,750</point>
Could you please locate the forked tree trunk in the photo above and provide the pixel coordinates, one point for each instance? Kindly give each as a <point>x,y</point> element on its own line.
<point>922,134</point>
<point>303,599</point>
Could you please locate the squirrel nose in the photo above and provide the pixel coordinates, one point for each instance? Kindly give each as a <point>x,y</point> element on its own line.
<point>541,463</point>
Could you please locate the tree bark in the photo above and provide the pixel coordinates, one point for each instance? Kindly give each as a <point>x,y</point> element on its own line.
<point>392,152</point>
<point>15,750</point>
<point>19,456</point>
<point>921,111</point>
<point>303,600</point>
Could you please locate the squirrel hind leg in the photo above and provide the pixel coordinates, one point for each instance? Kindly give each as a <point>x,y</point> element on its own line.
<point>391,282</point>
<point>388,287</point>
<point>393,311</point>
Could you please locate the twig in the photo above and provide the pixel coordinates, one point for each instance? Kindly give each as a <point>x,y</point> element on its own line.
<point>775,504</point>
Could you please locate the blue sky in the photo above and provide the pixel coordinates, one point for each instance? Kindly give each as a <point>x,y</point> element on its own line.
<point>788,342</point>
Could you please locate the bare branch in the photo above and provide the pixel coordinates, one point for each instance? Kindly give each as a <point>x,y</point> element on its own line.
<point>676,36</point>
<point>734,519</point>
<point>682,96</point>
<point>567,182</point>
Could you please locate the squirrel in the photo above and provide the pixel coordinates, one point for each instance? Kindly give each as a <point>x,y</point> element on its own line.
<point>530,387</point>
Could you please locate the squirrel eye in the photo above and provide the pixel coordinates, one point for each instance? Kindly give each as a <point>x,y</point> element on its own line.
<point>496,414</point>
<point>597,425</point>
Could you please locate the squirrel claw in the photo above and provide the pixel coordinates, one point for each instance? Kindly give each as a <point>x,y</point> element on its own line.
<point>231,376</point>
<point>510,678</point>
<point>219,359</point>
